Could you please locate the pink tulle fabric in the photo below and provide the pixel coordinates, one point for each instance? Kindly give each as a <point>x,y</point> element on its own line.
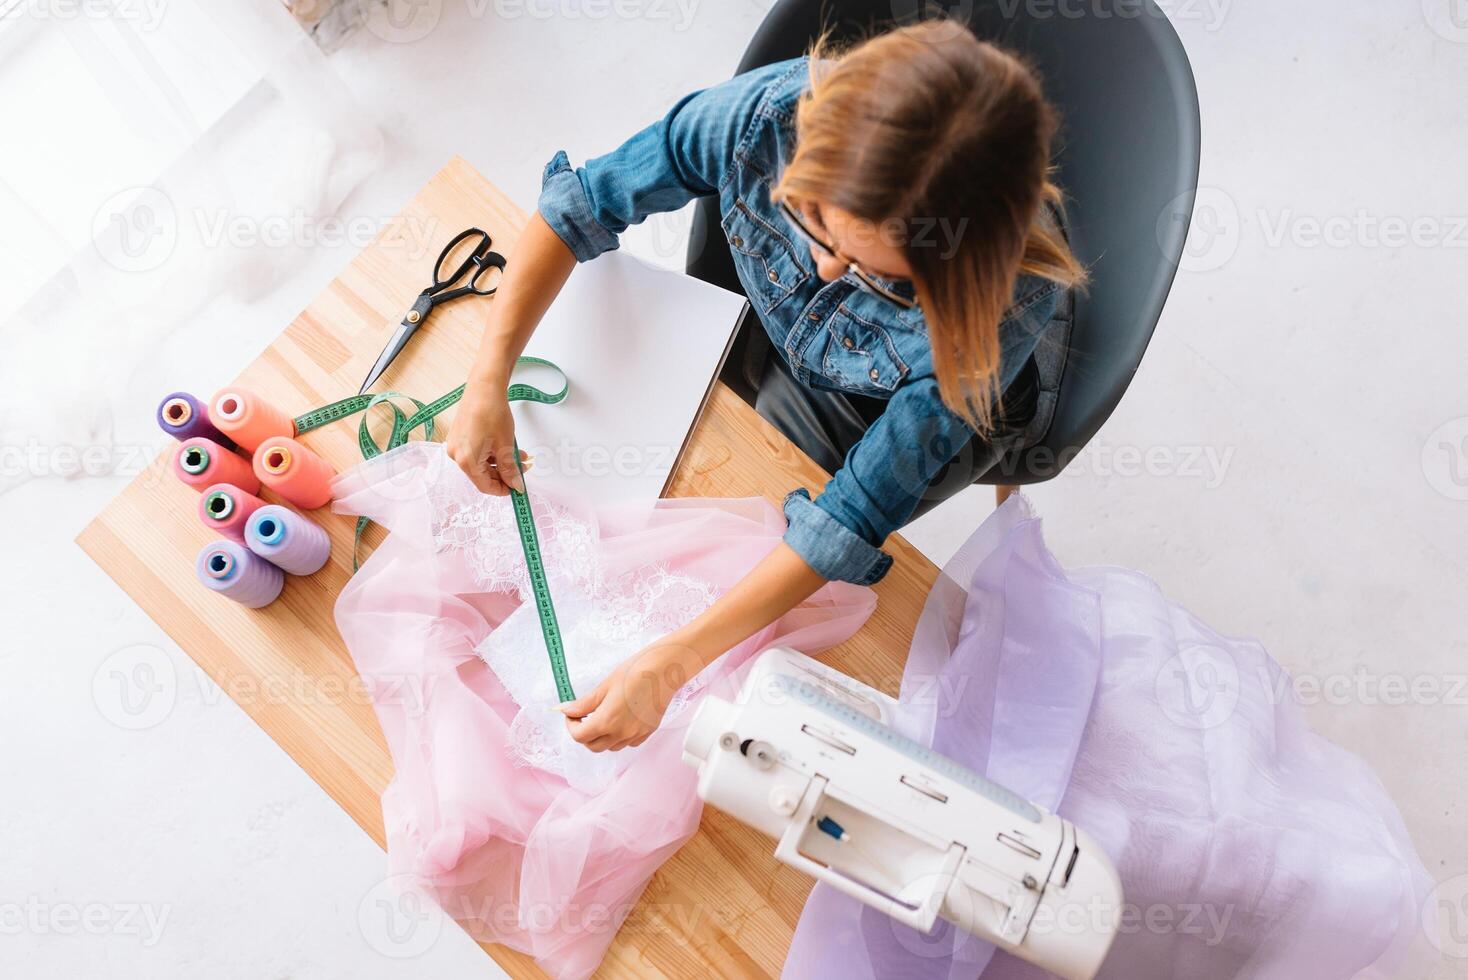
<point>1248,847</point>
<point>507,846</point>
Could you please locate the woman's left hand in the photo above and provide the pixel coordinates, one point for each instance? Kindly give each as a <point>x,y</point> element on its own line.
<point>628,705</point>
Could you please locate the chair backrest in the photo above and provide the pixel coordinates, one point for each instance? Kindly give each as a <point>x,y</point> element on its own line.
<point>1127,159</point>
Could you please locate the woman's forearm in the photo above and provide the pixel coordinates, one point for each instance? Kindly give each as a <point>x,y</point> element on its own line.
<point>780,582</point>
<point>541,265</point>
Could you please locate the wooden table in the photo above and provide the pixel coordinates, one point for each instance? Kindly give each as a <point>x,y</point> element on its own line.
<point>722,905</point>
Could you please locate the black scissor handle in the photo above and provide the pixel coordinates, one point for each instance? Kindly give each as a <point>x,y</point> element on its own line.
<point>441,278</point>
<point>472,273</point>
<point>484,265</point>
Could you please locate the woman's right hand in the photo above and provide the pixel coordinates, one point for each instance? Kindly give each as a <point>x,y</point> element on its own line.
<point>482,439</point>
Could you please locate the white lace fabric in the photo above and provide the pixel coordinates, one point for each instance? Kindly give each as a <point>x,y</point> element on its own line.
<point>606,614</point>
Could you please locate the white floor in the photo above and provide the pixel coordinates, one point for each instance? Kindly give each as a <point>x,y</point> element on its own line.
<point>1291,462</point>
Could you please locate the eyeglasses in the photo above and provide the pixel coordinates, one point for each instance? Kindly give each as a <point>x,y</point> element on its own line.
<point>865,279</point>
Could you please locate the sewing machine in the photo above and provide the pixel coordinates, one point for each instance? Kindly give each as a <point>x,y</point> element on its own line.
<point>807,755</point>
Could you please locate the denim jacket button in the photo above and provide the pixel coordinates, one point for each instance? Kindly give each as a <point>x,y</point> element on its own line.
<point>848,343</point>
<point>737,241</point>
<point>814,317</point>
<point>874,375</point>
<point>774,276</point>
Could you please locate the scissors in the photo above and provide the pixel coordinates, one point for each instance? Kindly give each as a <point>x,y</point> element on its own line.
<point>471,277</point>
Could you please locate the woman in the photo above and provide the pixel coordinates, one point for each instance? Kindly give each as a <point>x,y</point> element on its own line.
<point>891,220</point>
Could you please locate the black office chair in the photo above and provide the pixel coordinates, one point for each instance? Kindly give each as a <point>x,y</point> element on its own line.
<point>1128,164</point>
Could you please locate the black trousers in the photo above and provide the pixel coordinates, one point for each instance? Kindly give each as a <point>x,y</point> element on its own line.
<point>827,424</point>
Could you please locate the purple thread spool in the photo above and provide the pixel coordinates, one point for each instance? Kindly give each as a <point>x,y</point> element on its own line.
<point>294,543</point>
<point>232,570</point>
<point>183,416</point>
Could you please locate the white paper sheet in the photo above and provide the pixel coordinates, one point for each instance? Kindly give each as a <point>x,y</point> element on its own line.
<point>640,346</point>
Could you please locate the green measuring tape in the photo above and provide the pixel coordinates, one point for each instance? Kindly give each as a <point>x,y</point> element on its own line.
<point>549,628</point>
<point>423,415</point>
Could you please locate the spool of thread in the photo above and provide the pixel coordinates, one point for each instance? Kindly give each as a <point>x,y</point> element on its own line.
<point>247,418</point>
<point>294,472</point>
<point>294,543</point>
<point>200,462</point>
<point>183,416</point>
<point>231,569</point>
<point>225,508</point>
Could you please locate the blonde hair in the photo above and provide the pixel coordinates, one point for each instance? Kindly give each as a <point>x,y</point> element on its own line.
<point>927,124</point>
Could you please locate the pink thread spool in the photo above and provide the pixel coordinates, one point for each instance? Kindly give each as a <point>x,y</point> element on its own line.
<point>232,570</point>
<point>200,462</point>
<point>294,543</point>
<point>294,472</point>
<point>247,418</point>
<point>225,508</point>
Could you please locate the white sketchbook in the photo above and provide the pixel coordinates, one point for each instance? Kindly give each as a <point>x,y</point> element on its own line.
<point>641,347</point>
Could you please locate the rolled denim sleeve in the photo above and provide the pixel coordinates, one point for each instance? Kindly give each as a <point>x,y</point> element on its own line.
<point>686,154</point>
<point>832,549</point>
<point>566,208</point>
<point>840,533</point>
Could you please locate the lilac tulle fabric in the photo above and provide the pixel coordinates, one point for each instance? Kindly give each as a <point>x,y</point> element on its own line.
<point>1247,846</point>
<point>514,852</point>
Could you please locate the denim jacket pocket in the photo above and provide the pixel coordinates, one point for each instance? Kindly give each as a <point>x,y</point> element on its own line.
<point>766,260</point>
<point>860,356</point>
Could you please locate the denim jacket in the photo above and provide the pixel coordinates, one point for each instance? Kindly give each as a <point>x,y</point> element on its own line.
<point>732,140</point>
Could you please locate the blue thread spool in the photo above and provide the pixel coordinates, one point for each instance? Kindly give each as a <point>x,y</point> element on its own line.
<point>292,542</point>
